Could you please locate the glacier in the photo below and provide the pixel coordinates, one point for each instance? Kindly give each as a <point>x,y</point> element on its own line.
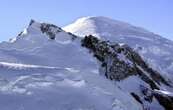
<point>46,68</point>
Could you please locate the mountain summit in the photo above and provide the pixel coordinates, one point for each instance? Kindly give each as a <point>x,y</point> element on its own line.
<point>104,26</point>
<point>37,34</point>
<point>101,64</point>
<point>156,50</point>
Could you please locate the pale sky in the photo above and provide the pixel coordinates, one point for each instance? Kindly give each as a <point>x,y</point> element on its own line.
<point>154,15</point>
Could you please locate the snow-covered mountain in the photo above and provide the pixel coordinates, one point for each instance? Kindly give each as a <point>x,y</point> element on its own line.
<point>156,50</point>
<point>47,68</point>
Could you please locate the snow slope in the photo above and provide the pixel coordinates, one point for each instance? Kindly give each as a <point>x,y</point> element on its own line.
<point>40,73</point>
<point>46,68</point>
<point>156,50</point>
<point>62,89</point>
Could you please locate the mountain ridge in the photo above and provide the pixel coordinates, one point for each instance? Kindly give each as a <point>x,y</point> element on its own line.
<point>102,19</point>
<point>45,66</point>
<point>154,49</point>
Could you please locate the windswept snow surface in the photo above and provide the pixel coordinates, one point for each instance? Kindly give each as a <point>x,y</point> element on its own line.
<point>156,50</point>
<point>40,73</point>
<point>23,66</point>
<point>50,88</point>
<point>37,73</point>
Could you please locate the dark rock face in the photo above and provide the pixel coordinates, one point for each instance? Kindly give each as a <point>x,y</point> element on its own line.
<point>121,61</point>
<point>136,97</point>
<point>165,100</point>
<point>108,55</point>
<point>31,22</point>
<point>73,36</point>
<point>50,30</point>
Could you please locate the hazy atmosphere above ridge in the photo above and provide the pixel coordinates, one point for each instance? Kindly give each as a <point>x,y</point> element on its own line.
<point>157,17</point>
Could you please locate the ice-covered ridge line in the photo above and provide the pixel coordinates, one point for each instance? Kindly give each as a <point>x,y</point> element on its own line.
<point>24,66</point>
<point>164,92</point>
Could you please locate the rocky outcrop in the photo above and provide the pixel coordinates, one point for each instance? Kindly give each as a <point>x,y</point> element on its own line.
<point>50,29</point>
<point>164,99</point>
<point>115,68</point>
<point>118,62</point>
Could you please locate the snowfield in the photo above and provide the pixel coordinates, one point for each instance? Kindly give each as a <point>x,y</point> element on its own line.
<point>46,68</point>
<point>54,75</point>
<point>62,89</point>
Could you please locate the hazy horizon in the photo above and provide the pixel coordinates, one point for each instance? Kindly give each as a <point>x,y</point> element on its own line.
<point>155,16</point>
